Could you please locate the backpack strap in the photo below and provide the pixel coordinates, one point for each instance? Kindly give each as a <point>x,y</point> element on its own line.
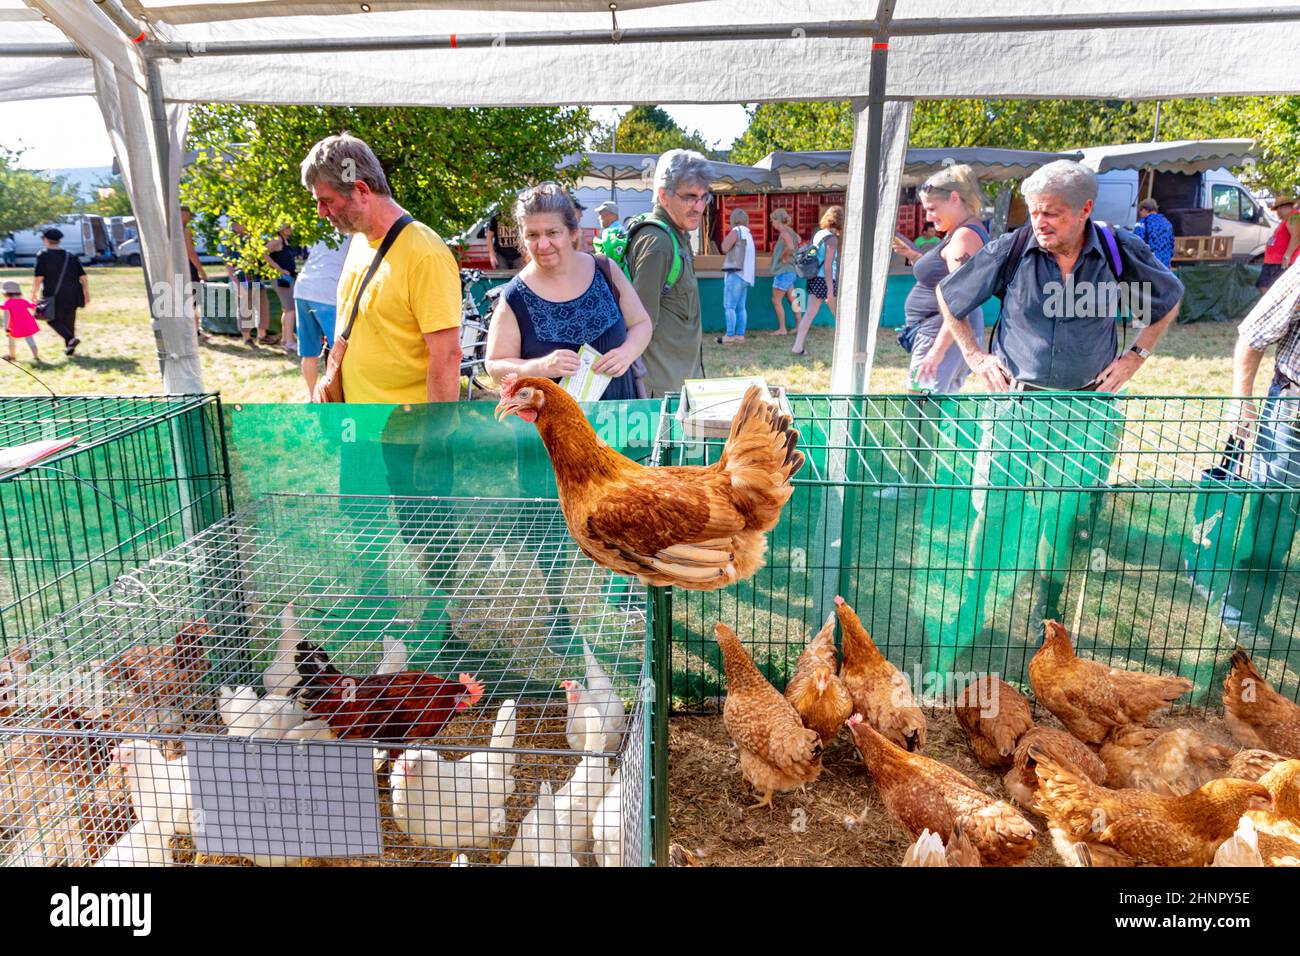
<point>1111,245</point>
<point>675,270</point>
<point>1019,243</point>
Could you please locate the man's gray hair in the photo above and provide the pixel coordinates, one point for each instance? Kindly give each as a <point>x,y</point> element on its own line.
<point>682,167</point>
<point>341,162</point>
<point>1070,181</point>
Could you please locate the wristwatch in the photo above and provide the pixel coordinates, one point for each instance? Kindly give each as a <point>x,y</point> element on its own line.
<point>1140,351</point>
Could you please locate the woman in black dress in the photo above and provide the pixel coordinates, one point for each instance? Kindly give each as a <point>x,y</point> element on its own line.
<point>59,276</point>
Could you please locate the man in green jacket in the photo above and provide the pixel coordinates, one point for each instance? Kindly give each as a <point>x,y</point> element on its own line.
<point>662,268</point>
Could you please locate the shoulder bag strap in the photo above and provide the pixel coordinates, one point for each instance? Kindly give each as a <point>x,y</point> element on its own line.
<point>62,272</point>
<point>1019,243</point>
<point>384,246</point>
<point>602,263</point>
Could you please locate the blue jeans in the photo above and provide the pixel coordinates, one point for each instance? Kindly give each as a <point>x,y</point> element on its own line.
<point>315,325</point>
<point>1272,514</point>
<point>734,291</point>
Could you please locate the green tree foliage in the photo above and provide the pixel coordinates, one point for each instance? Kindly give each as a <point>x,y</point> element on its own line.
<point>30,199</point>
<point>1272,121</point>
<point>111,198</point>
<point>648,129</point>
<point>445,166</point>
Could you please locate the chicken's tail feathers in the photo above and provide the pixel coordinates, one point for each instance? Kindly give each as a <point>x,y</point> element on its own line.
<point>760,458</point>
<point>503,731</point>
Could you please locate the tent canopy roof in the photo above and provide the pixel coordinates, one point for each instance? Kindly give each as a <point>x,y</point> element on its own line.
<point>990,165</point>
<point>1175,156</point>
<point>560,52</point>
<point>640,168</point>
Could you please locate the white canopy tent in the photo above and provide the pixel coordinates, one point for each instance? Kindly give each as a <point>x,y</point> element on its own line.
<point>146,60</point>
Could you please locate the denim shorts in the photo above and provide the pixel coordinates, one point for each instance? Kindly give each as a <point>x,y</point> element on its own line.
<point>784,281</point>
<point>315,322</point>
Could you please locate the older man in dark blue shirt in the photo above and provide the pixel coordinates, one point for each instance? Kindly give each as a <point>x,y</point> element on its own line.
<point>1064,282</point>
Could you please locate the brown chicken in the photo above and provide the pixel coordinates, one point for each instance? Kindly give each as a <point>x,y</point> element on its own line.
<point>777,752</point>
<point>1172,762</point>
<point>697,527</point>
<point>923,794</point>
<point>928,850</point>
<point>1252,764</point>
<point>816,690</point>
<point>395,708</point>
<point>994,716</point>
<point>1067,750</point>
<point>1090,698</point>
<point>880,691</point>
<point>1256,714</point>
<point>1135,827</point>
<point>1278,832</point>
<point>163,680</point>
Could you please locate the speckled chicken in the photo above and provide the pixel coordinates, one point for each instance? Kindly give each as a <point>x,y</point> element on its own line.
<point>923,794</point>
<point>994,716</point>
<point>816,690</point>
<point>1172,762</point>
<point>1066,749</point>
<point>1091,698</point>
<point>1135,827</point>
<point>929,850</point>
<point>777,753</point>
<point>1256,714</point>
<point>1251,764</point>
<point>881,693</point>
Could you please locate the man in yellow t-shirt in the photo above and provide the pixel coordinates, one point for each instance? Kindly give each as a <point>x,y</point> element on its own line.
<point>405,343</point>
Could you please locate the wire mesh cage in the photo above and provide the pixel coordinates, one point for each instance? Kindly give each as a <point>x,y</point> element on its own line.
<point>337,680</point>
<point>140,476</point>
<point>955,524</point>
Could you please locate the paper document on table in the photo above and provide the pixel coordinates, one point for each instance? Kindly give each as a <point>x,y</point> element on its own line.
<point>20,456</point>
<point>584,384</point>
<point>719,398</point>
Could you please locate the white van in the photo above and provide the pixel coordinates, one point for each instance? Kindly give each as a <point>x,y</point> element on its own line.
<point>1236,212</point>
<point>83,236</point>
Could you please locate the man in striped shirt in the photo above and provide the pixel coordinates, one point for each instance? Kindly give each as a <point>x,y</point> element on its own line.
<point>1273,514</point>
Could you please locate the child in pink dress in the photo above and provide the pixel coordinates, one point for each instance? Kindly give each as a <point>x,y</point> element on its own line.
<point>19,321</point>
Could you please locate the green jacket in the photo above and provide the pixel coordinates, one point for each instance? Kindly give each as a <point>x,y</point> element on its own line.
<point>675,352</point>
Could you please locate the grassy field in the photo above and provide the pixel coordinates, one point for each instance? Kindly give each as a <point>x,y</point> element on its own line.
<point>118,356</point>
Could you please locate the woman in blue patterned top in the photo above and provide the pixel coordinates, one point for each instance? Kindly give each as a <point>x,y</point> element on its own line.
<point>564,299</point>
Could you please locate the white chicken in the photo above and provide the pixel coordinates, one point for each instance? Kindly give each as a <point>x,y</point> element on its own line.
<point>282,676</point>
<point>607,825</point>
<point>540,842</point>
<point>312,730</point>
<point>577,800</point>
<point>147,843</point>
<point>268,718</point>
<point>595,690</point>
<point>457,804</point>
<point>395,657</point>
<point>1240,849</point>
<point>160,788</point>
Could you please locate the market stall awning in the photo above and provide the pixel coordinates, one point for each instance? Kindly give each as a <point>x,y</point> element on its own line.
<point>990,164</point>
<point>1176,156</point>
<point>637,171</point>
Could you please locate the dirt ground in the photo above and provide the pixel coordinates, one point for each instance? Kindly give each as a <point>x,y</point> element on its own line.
<point>839,821</point>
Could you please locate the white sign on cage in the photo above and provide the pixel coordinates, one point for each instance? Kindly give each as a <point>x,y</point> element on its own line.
<point>277,803</point>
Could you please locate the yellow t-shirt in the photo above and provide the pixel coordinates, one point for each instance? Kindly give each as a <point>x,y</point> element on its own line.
<point>415,290</point>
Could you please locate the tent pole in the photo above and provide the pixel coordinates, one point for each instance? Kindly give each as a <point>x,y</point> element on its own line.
<point>870,198</point>
<point>162,137</point>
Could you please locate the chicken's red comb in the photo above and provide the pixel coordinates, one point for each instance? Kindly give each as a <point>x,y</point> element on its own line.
<point>473,688</point>
<point>839,601</point>
<point>508,385</point>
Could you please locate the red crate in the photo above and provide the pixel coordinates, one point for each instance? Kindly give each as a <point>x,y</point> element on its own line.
<point>911,217</point>
<point>755,205</point>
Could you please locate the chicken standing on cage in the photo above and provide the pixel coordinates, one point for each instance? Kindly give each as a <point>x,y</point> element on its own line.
<point>457,804</point>
<point>696,527</point>
<point>393,708</point>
